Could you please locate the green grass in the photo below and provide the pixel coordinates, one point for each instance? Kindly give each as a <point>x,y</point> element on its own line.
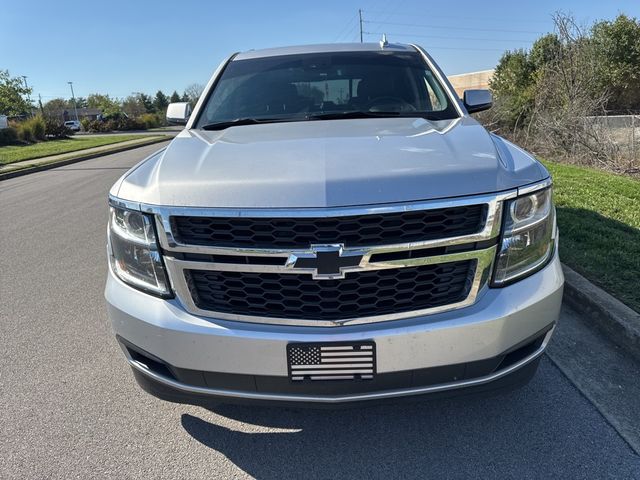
<point>599,220</point>
<point>15,153</point>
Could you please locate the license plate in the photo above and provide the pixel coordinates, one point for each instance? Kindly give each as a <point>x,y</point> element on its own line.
<point>331,361</point>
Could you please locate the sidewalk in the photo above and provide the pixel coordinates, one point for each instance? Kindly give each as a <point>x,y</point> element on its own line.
<point>81,154</point>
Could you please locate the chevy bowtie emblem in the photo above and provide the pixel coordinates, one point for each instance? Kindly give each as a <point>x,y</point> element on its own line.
<point>325,261</point>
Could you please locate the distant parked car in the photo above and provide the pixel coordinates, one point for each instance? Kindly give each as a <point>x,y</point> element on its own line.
<point>73,125</point>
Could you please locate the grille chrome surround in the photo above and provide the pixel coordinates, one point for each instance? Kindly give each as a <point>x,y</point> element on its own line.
<point>484,258</point>
<point>179,257</point>
<point>359,294</point>
<point>169,243</point>
<point>351,231</point>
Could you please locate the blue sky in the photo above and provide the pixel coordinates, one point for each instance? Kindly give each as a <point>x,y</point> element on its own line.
<point>119,47</point>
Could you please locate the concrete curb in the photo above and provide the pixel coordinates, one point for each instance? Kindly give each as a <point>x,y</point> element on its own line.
<point>69,161</point>
<point>614,318</point>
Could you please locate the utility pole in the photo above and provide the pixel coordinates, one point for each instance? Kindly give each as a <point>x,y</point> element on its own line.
<point>75,107</point>
<point>360,15</point>
<point>40,103</point>
<point>24,77</point>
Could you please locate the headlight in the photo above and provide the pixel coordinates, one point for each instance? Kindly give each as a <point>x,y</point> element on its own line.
<point>133,251</point>
<point>528,236</point>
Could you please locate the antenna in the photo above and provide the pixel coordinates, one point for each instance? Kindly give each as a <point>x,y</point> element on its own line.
<point>383,41</point>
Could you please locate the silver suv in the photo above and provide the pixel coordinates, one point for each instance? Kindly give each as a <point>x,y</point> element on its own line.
<point>332,226</point>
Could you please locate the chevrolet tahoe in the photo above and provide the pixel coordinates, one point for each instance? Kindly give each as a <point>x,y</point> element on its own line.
<point>332,226</point>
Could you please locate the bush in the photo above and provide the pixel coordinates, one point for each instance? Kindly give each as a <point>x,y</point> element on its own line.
<point>30,130</point>
<point>130,124</point>
<point>55,129</point>
<point>119,123</point>
<point>8,136</point>
<point>85,124</point>
<point>98,126</point>
<point>37,126</point>
<point>25,132</point>
<point>149,120</point>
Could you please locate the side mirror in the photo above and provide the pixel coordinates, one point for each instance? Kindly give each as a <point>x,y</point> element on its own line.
<point>477,100</point>
<point>178,113</point>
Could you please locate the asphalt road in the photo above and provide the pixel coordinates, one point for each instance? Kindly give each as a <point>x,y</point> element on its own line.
<point>69,407</point>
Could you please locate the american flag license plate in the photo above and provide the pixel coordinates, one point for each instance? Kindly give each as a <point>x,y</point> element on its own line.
<point>331,361</point>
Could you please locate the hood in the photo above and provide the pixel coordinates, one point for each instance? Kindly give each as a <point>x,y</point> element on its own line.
<point>329,163</point>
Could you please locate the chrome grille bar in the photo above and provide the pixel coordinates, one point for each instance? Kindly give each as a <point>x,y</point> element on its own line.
<point>170,244</point>
<point>176,270</point>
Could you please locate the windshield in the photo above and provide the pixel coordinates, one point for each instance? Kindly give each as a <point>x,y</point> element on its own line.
<point>304,86</point>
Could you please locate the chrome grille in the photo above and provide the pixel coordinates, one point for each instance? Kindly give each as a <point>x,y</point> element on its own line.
<point>359,294</point>
<point>398,277</point>
<point>351,231</point>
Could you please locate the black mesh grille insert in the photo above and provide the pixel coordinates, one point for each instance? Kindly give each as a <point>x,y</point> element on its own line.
<point>360,294</point>
<point>352,231</point>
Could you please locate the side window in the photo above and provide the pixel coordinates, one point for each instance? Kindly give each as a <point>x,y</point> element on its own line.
<point>220,101</point>
<point>436,95</point>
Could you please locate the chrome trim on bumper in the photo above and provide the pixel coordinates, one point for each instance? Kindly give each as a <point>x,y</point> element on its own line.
<point>340,398</point>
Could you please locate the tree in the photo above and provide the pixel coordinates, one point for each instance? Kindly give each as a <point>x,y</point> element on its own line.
<point>12,95</point>
<point>81,102</point>
<point>555,94</point>
<point>56,107</point>
<point>513,84</point>
<point>138,104</point>
<point>161,101</point>
<point>617,48</point>
<point>569,100</point>
<point>105,103</point>
<point>175,97</point>
<point>192,93</point>
<point>147,102</point>
<point>133,106</point>
<point>545,50</point>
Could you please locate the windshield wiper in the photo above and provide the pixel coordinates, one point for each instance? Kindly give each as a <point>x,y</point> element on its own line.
<point>318,116</point>
<point>350,114</point>
<point>238,122</point>
<point>365,114</point>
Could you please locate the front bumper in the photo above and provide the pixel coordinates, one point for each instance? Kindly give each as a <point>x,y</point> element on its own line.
<point>179,356</point>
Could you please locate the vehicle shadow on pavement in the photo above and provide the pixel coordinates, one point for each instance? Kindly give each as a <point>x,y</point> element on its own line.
<point>531,432</point>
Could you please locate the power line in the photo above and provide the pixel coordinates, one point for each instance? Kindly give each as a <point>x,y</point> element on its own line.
<point>346,28</point>
<point>444,37</point>
<point>451,48</point>
<point>352,33</point>
<point>390,13</point>
<point>454,17</point>
<point>467,49</point>
<point>450,27</point>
